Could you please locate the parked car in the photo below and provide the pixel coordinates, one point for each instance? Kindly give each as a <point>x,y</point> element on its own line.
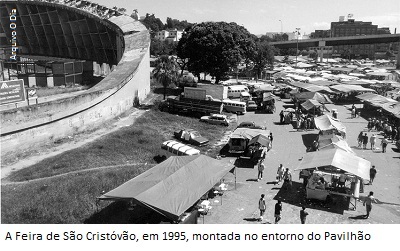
<point>251,105</point>
<point>250,125</point>
<point>216,119</point>
<point>191,136</point>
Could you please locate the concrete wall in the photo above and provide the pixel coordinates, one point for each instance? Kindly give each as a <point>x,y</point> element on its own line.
<point>30,126</point>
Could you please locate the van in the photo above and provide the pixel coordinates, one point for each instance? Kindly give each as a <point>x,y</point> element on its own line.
<point>235,90</point>
<point>175,148</point>
<point>234,106</point>
<point>245,96</point>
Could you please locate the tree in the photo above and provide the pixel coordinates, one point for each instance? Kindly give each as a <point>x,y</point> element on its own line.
<point>166,71</point>
<point>176,24</point>
<point>262,56</point>
<point>152,23</point>
<point>214,47</point>
<point>160,47</point>
<point>122,10</point>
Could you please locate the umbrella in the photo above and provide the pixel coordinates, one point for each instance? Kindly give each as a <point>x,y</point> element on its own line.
<point>290,109</point>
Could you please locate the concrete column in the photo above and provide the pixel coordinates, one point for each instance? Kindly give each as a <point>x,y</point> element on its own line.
<point>96,69</point>
<point>105,69</point>
<point>321,45</point>
<point>320,54</point>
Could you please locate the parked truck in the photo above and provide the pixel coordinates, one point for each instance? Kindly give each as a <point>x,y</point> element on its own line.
<point>194,93</point>
<point>194,107</point>
<point>215,91</point>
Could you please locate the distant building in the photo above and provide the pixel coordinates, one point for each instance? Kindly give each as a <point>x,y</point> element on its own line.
<point>352,27</point>
<point>320,34</point>
<point>169,35</point>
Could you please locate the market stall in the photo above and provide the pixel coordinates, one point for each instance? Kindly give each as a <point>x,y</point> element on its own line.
<point>330,125</point>
<point>331,141</point>
<point>334,171</point>
<point>314,106</point>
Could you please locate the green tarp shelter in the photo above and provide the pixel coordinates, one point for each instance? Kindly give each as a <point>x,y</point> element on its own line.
<point>173,186</point>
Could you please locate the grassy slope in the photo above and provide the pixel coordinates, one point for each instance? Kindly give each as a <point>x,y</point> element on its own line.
<point>68,199</point>
<point>71,198</point>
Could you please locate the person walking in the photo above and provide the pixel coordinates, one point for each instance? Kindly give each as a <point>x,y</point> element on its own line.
<point>384,143</point>
<point>261,168</point>
<point>279,174</point>
<point>282,116</point>
<point>372,140</point>
<point>365,141</point>
<point>262,206</point>
<point>368,203</point>
<point>372,174</point>
<point>303,215</point>
<point>394,134</point>
<point>271,138</point>
<point>287,179</point>
<point>278,210</point>
<point>370,124</point>
<point>360,139</point>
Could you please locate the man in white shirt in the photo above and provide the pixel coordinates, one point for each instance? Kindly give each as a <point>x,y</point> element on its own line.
<point>368,203</point>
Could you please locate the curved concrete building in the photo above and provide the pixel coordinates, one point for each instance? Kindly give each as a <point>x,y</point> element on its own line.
<point>75,30</point>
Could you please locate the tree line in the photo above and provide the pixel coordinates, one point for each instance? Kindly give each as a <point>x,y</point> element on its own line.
<point>219,49</point>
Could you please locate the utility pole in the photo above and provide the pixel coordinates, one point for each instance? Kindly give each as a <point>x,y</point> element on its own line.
<point>297,43</point>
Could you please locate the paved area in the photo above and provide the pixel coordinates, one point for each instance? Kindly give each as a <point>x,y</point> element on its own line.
<point>240,205</point>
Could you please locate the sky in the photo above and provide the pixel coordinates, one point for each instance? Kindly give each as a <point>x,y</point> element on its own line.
<point>261,16</point>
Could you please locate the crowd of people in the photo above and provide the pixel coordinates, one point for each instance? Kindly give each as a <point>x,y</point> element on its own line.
<point>304,121</point>
<point>390,134</point>
<point>366,140</point>
<point>282,174</point>
<point>94,8</point>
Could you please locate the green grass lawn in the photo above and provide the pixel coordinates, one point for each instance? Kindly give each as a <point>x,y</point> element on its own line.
<point>70,198</point>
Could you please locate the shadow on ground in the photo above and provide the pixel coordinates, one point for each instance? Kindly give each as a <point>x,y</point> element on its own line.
<point>244,163</point>
<point>168,91</point>
<point>121,213</point>
<point>358,217</point>
<point>309,138</point>
<point>297,197</point>
<point>251,219</point>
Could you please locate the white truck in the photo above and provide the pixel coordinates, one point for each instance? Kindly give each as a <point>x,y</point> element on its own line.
<point>194,93</point>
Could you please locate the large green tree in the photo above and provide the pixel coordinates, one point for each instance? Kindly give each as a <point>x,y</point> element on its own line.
<point>214,47</point>
<point>153,23</point>
<point>176,24</point>
<point>262,57</point>
<point>160,47</point>
<point>166,71</point>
